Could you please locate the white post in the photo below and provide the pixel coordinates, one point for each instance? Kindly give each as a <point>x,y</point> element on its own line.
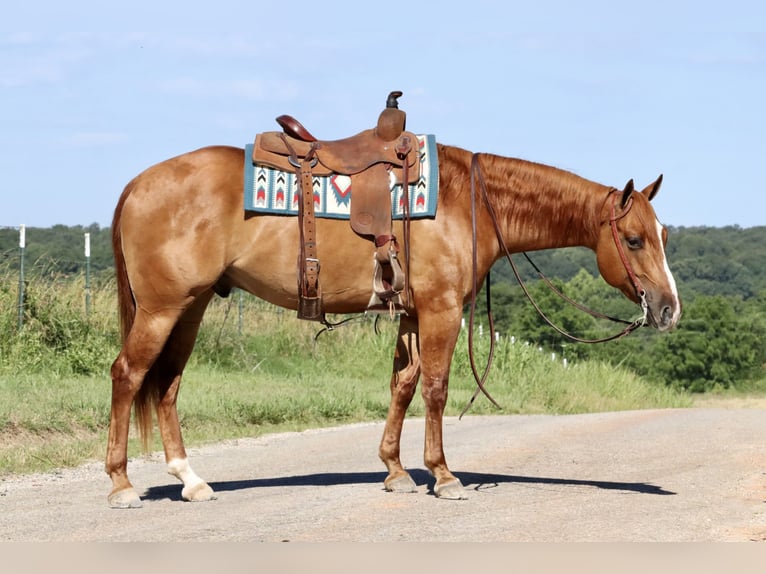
<point>87,274</point>
<point>22,245</point>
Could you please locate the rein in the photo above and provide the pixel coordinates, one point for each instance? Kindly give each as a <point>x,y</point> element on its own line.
<point>631,325</point>
<point>476,175</point>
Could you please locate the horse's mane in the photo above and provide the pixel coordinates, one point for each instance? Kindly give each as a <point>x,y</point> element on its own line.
<point>525,191</point>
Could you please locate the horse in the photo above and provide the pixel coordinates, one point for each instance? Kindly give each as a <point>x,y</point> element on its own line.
<point>180,235</point>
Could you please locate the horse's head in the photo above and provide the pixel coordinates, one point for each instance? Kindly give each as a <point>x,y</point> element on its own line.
<point>631,254</point>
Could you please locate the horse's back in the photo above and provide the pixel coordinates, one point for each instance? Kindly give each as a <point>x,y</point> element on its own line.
<point>204,181</point>
<point>175,219</point>
<point>203,165</point>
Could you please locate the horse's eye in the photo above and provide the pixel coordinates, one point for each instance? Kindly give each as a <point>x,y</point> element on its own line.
<point>635,242</point>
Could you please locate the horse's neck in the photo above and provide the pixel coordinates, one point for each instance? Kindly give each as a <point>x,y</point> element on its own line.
<point>542,207</point>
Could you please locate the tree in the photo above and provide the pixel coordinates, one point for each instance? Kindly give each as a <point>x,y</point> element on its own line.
<point>715,345</point>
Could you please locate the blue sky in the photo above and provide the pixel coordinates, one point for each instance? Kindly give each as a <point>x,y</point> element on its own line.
<point>92,93</point>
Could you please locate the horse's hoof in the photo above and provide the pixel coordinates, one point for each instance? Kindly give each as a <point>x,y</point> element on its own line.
<point>127,498</point>
<point>450,490</point>
<point>400,483</point>
<point>200,492</point>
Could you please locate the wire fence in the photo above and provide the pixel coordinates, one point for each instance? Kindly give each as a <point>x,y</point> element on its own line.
<point>22,283</point>
<point>233,310</point>
<point>22,272</point>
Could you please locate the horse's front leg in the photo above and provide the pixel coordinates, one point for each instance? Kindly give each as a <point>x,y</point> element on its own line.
<point>438,336</point>
<point>403,383</point>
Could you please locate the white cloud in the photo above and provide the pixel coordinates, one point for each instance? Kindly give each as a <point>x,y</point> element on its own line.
<point>28,60</point>
<point>729,49</point>
<point>95,139</point>
<point>18,39</point>
<point>256,90</point>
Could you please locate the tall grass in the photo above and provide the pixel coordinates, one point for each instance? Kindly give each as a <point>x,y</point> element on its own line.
<point>255,369</point>
<point>57,338</point>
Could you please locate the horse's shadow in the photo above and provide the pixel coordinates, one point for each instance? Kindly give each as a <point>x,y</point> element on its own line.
<point>471,480</point>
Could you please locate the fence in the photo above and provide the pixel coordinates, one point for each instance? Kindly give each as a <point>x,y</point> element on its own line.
<point>22,273</point>
<point>17,261</point>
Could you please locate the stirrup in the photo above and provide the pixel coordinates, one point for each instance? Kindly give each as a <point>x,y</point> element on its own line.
<point>386,297</point>
<point>392,307</point>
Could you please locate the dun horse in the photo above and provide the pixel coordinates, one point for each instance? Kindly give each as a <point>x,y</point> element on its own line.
<point>180,235</point>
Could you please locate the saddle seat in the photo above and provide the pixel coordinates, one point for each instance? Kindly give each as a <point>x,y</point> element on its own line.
<point>375,159</point>
<point>348,156</point>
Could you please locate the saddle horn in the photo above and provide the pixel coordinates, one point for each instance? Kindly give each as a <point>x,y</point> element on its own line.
<point>392,120</point>
<point>392,100</point>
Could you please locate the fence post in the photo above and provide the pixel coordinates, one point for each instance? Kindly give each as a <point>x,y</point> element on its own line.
<point>22,246</point>
<point>87,275</point>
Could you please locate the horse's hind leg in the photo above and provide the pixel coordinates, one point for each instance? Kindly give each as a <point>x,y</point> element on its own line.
<point>141,348</point>
<point>403,383</point>
<point>168,369</point>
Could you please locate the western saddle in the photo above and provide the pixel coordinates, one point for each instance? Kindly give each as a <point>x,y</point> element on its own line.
<point>376,160</point>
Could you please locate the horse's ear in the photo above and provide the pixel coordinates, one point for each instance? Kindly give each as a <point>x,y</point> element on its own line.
<point>651,190</point>
<point>626,193</point>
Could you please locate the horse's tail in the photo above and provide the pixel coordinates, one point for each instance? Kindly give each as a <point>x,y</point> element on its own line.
<point>144,400</point>
<point>125,302</point>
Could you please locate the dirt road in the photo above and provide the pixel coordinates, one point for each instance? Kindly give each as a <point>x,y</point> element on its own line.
<point>657,475</point>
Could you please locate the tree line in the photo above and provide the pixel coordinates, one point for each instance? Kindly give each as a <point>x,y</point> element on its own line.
<point>720,272</point>
<point>58,250</point>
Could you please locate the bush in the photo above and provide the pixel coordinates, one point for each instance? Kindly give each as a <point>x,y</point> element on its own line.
<point>57,335</point>
<point>716,346</point>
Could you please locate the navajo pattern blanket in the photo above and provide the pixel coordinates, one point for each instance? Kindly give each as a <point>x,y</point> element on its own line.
<point>269,190</point>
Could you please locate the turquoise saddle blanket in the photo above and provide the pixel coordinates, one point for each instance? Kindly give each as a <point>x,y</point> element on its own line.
<point>269,190</point>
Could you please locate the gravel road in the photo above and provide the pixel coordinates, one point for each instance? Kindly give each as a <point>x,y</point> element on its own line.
<point>655,475</point>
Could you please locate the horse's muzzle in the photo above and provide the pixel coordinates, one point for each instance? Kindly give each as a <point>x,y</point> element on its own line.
<point>665,316</point>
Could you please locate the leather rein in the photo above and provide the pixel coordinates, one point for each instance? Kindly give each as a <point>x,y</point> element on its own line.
<point>478,178</point>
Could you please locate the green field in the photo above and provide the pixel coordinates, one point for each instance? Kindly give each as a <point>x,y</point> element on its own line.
<point>256,369</point>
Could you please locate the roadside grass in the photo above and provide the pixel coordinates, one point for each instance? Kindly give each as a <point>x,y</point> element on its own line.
<point>256,370</point>
<point>277,380</point>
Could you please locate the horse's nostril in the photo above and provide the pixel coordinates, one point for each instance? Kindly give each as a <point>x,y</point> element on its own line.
<point>666,315</point>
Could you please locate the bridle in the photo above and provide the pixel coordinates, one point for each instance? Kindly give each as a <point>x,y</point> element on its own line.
<point>478,178</point>
<point>640,291</point>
